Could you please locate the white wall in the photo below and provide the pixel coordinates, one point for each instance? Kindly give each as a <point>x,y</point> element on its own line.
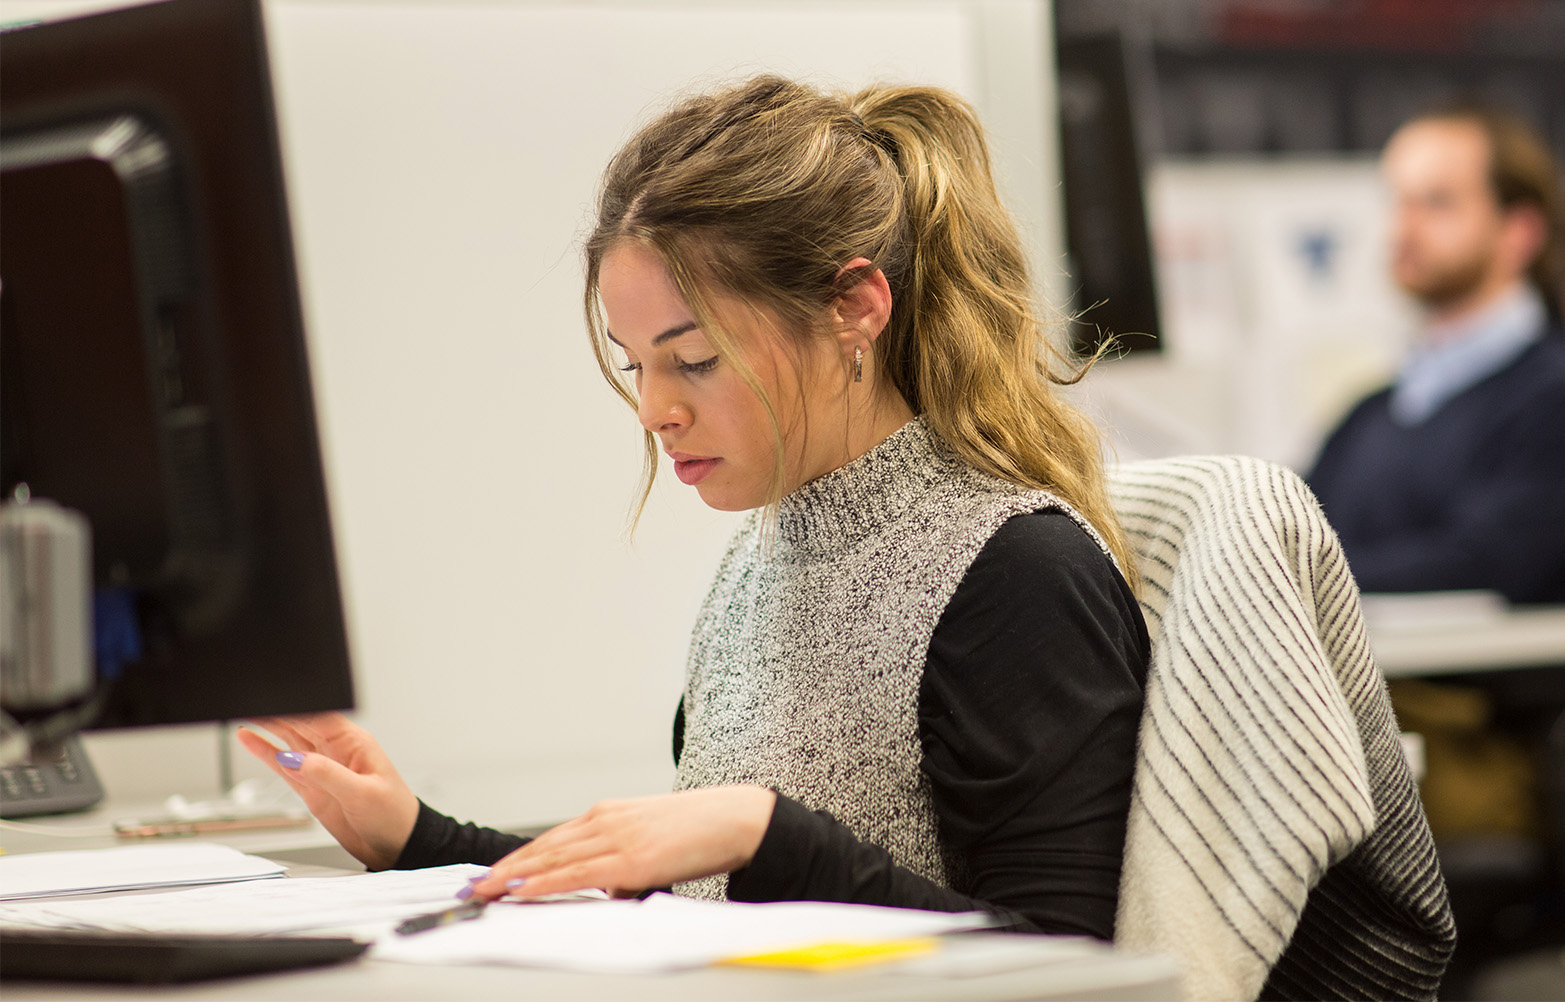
<point>442,158</point>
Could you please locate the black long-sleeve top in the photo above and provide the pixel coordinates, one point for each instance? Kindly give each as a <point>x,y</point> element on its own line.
<point>1027,716</point>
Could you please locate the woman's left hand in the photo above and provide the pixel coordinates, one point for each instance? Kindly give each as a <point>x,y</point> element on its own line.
<point>628,846</point>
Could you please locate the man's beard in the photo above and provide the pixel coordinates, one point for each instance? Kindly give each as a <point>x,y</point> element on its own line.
<point>1449,285</point>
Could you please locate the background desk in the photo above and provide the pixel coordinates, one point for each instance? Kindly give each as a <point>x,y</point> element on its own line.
<point>1519,638</point>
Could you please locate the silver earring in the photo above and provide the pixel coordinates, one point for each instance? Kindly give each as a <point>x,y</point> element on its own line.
<point>858,363</point>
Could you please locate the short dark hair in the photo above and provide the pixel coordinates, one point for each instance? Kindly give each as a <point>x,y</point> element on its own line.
<point>1522,171</point>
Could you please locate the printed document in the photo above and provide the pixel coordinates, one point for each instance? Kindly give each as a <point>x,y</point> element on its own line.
<point>364,905</point>
<point>85,871</point>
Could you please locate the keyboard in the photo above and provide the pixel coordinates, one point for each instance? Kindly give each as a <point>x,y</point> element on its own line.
<point>155,958</point>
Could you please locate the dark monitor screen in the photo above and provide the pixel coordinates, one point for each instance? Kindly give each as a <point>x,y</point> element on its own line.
<point>1105,215</point>
<point>153,371</point>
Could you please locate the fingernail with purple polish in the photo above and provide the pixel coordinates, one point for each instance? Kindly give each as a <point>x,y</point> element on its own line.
<point>465,893</point>
<point>291,759</point>
<point>514,883</point>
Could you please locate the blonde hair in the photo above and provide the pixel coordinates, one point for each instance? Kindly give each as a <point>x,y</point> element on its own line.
<point>761,192</point>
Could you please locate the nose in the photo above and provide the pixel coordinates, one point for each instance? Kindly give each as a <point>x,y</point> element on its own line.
<point>1405,218</point>
<point>659,407</point>
<point>1404,234</point>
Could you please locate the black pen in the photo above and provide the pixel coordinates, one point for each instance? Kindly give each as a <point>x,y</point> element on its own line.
<point>434,920</point>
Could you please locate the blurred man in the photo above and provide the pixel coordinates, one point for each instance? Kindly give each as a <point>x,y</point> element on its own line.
<point>1454,477</point>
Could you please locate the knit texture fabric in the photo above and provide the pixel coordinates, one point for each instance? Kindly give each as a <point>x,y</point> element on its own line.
<point>807,657</point>
<point>1276,843</point>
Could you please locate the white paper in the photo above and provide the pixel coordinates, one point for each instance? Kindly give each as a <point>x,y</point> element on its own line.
<point>85,871</point>
<point>364,905</point>
<point>662,933</point>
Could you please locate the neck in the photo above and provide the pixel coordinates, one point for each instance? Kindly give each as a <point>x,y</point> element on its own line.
<point>869,417</point>
<point>888,413</point>
<point>1446,321</point>
<point>868,424</point>
<point>1475,302</point>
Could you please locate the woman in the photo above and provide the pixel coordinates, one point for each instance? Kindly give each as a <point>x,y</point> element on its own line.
<point>917,678</point>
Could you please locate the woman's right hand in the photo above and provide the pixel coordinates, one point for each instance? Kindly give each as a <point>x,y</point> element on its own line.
<point>345,779</point>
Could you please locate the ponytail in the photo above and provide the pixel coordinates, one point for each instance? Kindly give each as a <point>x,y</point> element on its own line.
<point>965,344</point>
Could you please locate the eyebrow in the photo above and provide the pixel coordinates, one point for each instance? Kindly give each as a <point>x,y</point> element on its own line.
<point>668,335</point>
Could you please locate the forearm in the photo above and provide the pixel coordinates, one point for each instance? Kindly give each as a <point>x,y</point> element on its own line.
<point>438,840</point>
<point>810,856</point>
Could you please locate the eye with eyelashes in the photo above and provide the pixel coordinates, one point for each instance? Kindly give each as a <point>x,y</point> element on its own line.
<point>693,368</point>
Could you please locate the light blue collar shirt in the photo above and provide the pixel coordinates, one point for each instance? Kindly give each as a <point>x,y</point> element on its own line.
<point>1453,357</point>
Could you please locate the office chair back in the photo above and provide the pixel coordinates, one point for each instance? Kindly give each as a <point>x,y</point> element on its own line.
<point>1276,842</point>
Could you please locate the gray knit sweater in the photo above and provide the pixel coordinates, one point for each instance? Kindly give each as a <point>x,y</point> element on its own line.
<point>807,657</point>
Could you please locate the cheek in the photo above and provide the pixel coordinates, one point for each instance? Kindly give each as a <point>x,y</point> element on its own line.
<point>1460,231</point>
<point>733,413</point>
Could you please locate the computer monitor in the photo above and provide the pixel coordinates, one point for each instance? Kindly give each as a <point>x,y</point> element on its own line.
<point>1105,216</point>
<point>153,368</point>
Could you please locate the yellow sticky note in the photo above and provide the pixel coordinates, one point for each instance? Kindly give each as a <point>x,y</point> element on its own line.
<point>835,956</point>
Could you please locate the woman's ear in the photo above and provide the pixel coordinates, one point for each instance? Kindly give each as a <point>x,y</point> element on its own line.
<point>864,308</point>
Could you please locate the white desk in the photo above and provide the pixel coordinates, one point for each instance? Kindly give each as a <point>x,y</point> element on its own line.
<point>1110,975</point>
<point>1038,973</point>
<point>1529,637</point>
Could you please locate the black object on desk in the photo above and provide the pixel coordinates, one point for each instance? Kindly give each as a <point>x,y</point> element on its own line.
<point>53,783</point>
<point>146,958</point>
<point>424,923</point>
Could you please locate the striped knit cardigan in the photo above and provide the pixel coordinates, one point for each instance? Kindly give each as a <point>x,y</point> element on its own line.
<point>1276,842</point>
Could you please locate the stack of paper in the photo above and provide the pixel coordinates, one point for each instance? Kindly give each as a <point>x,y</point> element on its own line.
<point>49,874</point>
<point>365,905</point>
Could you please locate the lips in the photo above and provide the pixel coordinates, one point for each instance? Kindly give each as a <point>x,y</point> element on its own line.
<point>691,470</point>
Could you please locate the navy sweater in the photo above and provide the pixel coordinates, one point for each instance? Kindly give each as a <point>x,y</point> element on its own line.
<point>1474,497</point>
